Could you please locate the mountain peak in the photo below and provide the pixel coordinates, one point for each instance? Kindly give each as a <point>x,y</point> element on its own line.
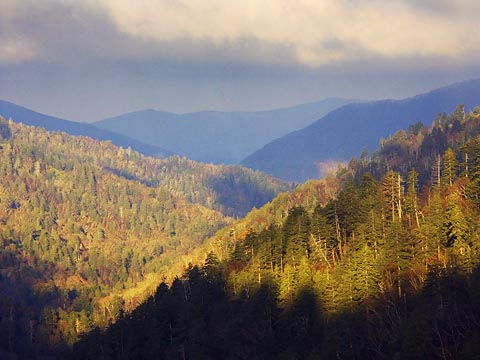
<point>346,131</point>
<point>217,136</point>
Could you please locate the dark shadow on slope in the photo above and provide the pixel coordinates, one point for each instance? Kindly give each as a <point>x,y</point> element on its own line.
<point>240,191</point>
<point>129,176</point>
<point>300,330</point>
<point>25,334</point>
<point>195,320</point>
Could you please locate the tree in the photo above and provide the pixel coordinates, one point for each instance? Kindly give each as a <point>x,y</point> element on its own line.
<point>436,173</point>
<point>459,113</point>
<point>455,224</point>
<point>411,201</point>
<point>5,132</point>
<point>450,166</point>
<point>323,238</point>
<point>398,254</point>
<point>392,190</point>
<point>296,235</point>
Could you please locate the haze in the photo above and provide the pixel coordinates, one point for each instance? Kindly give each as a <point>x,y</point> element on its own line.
<point>87,60</point>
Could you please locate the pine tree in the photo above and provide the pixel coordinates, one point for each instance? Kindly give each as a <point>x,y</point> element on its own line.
<point>450,166</point>
<point>288,285</point>
<point>411,200</point>
<point>322,239</point>
<point>349,209</point>
<point>365,275</point>
<point>473,187</point>
<point>296,235</point>
<point>398,253</point>
<point>455,224</point>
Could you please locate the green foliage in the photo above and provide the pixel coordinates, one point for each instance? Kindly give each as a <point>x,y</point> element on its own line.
<point>89,230</point>
<point>376,272</point>
<point>5,132</point>
<point>434,152</point>
<point>364,272</point>
<point>450,166</point>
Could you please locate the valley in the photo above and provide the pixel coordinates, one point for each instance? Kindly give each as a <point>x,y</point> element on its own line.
<point>377,265</point>
<point>106,252</point>
<point>239,180</point>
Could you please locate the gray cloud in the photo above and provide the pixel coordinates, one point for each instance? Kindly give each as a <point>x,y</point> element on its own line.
<point>270,31</point>
<point>117,55</point>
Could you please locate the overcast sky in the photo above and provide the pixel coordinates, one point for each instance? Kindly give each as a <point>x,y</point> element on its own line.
<point>86,60</point>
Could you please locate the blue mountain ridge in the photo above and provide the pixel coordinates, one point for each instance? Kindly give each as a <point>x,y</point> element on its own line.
<point>51,123</point>
<point>346,131</point>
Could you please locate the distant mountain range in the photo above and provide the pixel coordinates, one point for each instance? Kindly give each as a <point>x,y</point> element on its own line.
<point>344,132</point>
<point>214,136</point>
<point>51,123</point>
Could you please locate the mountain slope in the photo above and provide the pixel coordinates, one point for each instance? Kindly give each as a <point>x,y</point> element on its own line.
<point>88,229</point>
<point>51,123</point>
<point>344,132</point>
<point>386,269</point>
<point>214,136</point>
<point>80,240</point>
<point>231,189</point>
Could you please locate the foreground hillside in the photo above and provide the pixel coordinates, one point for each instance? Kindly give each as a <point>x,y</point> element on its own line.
<point>88,229</point>
<point>347,131</point>
<point>387,269</point>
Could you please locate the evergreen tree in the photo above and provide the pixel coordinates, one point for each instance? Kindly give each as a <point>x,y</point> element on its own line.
<point>411,200</point>
<point>450,166</point>
<point>296,236</point>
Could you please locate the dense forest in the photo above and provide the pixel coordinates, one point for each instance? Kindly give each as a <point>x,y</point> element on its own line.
<point>389,268</point>
<point>88,230</point>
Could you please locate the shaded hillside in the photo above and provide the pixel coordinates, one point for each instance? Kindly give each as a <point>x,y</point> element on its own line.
<point>385,270</point>
<point>197,318</point>
<point>345,132</point>
<point>232,189</point>
<point>215,136</point>
<point>30,117</point>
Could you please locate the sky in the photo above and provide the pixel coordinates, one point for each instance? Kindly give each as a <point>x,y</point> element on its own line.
<point>86,60</point>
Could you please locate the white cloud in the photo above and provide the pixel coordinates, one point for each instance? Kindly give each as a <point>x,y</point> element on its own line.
<point>305,27</point>
<point>305,32</point>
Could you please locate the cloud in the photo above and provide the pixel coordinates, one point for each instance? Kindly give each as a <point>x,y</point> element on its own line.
<point>302,32</point>
<point>305,29</point>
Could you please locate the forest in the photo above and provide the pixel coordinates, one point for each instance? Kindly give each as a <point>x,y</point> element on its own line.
<point>387,269</point>
<point>105,257</point>
<point>88,230</point>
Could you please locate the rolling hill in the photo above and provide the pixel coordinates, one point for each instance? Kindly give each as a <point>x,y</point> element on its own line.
<point>346,131</point>
<point>214,136</point>
<point>88,229</point>
<point>51,123</point>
